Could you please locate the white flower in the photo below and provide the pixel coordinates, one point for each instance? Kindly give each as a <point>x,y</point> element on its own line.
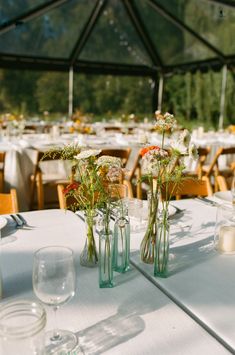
<point>87,154</point>
<point>109,161</point>
<point>151,161</point>
<point>114,174</point>
<point>193,153</point>
<point>165,122</point>
<point>176,144</point>
<point>185,138</point>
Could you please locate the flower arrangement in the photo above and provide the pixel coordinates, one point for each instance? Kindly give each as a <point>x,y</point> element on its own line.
<point>163,168</point>
<point>81,123</point>
<point>89,192</point>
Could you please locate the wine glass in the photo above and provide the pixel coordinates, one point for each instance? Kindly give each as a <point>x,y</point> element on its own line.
<point>54,283</point>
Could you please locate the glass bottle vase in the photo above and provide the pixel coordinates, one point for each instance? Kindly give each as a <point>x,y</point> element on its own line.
<point>105,258</point>
<point>121,250</point>
<point>162,245</point>
<point>147,246</point>
<point>89,255</point>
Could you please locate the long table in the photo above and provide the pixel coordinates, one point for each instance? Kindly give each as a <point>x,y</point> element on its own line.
<point>136,316</point>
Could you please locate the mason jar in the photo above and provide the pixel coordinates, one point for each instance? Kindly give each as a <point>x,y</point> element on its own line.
<point>22,325</point>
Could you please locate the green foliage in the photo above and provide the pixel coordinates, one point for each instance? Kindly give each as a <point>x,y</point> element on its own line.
<point>193,98</point>
<point>64,153</point>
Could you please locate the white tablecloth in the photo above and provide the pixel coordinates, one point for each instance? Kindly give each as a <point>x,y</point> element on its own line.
<point>201,280</point>
<point>134,317</point>
<point>21,154</point>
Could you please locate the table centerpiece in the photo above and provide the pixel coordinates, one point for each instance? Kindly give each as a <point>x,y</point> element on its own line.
<point>163,169</point>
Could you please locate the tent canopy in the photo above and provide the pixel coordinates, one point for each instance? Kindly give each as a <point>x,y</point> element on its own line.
<point>134,37</point>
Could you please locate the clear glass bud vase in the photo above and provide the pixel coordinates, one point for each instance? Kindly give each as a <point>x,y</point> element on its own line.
<point>121,251</point>
<point>162,245</point>
<point>147,246</point>
<point>105,258</point>
<point>89,256</point>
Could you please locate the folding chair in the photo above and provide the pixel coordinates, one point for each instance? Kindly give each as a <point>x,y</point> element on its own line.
<point>9,202</point>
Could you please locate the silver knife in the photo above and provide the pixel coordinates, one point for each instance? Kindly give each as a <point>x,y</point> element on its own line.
<point>207,201</point>
<point>18,222</point>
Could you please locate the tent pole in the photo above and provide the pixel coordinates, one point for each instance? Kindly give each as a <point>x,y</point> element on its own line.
<point>222,97</point>
<point>160,91</point>
<point>70,110</point>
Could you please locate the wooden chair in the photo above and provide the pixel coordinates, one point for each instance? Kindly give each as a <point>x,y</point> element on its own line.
<point>189,188</point>
<point>38,182</point>
<point>202,156</point>
<point>61,197</point>
<point>214,168</point>
<point>221,183</point>
<point>2,163</point>
<point>225,183</point>
<point>9,202</point>
<point>132,178</point>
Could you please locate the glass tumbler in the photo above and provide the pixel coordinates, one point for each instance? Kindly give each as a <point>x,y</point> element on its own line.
<point>135,207</point>
<point>225,230</point>
<point>22,325</point>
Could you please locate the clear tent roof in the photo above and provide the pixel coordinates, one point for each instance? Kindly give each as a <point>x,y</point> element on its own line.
<point>117,36</point>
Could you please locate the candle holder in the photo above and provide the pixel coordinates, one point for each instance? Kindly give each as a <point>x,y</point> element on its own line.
<point>224,238</point>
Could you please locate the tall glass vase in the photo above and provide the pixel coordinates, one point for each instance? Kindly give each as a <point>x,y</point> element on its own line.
<point>89,256</point>
<point>162,245</point>
<point>147,246</point>
<point>105,258</point>
<point>121,251</point>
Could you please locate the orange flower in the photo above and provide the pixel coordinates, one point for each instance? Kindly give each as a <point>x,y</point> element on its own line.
<point>147,149</point>
<point>71,187</point>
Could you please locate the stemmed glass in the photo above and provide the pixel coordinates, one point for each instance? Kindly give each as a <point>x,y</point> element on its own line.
<point>54,283</point>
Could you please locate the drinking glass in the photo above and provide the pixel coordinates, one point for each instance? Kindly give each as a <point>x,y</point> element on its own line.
<point>118,196</point>
<point>22,324</point>
<point>54,283</point>
<point>135,208</point>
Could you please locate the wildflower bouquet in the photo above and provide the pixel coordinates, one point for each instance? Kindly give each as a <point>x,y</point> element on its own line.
<point>89,193</point>
<point>163,169</point>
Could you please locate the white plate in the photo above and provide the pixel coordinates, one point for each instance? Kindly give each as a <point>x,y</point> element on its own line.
<point>3,222</point>
<point>224,195</point>
<point>171,210</point>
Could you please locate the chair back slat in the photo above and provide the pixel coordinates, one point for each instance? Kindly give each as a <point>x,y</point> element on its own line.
<point>188,188</point>
<point>9,202</point>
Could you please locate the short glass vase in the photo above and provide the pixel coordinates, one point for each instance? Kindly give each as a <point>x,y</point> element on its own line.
<point>105,258</point>
<point>89,255</point>
<point>147,246</point>
<point>121,250</point>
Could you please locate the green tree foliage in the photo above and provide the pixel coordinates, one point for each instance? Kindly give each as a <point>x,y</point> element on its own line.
<point>17,91</point>
<point>194,98</point>
<point>52,92</point>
